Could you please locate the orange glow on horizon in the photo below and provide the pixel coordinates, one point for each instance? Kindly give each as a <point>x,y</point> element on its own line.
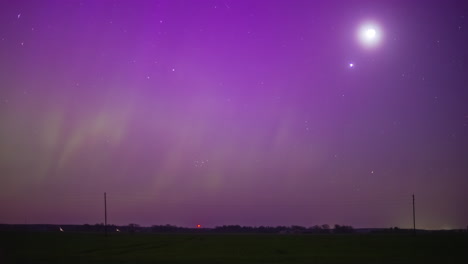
<point>198,226</point>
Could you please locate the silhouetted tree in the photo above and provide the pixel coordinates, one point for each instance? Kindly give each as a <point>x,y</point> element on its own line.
<point>316,229</point>
<point>339,229</point>
<point>133,228</point>
<point>325,228</point>
<point>298,228</point>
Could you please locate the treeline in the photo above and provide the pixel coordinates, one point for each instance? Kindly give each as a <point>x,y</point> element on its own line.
<point>135,228</point>
<point>317,229</point>
<point>294,229</point>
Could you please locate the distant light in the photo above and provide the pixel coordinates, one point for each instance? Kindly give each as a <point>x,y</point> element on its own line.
<point>117,230</point>
<point>198,226</point>
<point>61,230</point>
<point>351,65</point>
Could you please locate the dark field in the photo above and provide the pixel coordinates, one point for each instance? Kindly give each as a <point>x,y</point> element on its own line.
<point>231,248</point>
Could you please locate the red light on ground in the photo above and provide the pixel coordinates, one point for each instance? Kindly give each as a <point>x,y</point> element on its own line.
<point>198,226</point>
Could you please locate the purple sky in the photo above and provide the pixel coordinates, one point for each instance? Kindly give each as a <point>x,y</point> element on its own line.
<point>233,112</point>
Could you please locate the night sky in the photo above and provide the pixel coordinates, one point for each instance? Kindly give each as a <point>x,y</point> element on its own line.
<point>220,112</point>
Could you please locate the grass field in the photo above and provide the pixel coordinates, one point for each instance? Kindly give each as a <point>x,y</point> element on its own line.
<point>231,248</point>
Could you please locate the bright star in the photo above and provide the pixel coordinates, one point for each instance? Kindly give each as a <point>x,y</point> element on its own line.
<point>351,65</point>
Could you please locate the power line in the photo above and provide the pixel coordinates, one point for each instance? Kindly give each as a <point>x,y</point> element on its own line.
<point>105,214</point>
<point>414,218</point>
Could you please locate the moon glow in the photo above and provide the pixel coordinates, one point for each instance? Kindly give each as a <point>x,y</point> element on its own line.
<point>369,35</point>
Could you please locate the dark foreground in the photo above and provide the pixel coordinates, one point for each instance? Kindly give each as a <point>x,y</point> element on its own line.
<point>231,248</point>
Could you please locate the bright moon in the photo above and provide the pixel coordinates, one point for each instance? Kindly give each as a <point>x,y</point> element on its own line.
<point>369,35</point>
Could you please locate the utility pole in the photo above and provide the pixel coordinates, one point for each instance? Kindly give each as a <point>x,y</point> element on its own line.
<point>414,218</point>
<point>105,214</point>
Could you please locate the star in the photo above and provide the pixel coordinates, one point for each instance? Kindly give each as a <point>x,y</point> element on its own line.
<point>351,65</point>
